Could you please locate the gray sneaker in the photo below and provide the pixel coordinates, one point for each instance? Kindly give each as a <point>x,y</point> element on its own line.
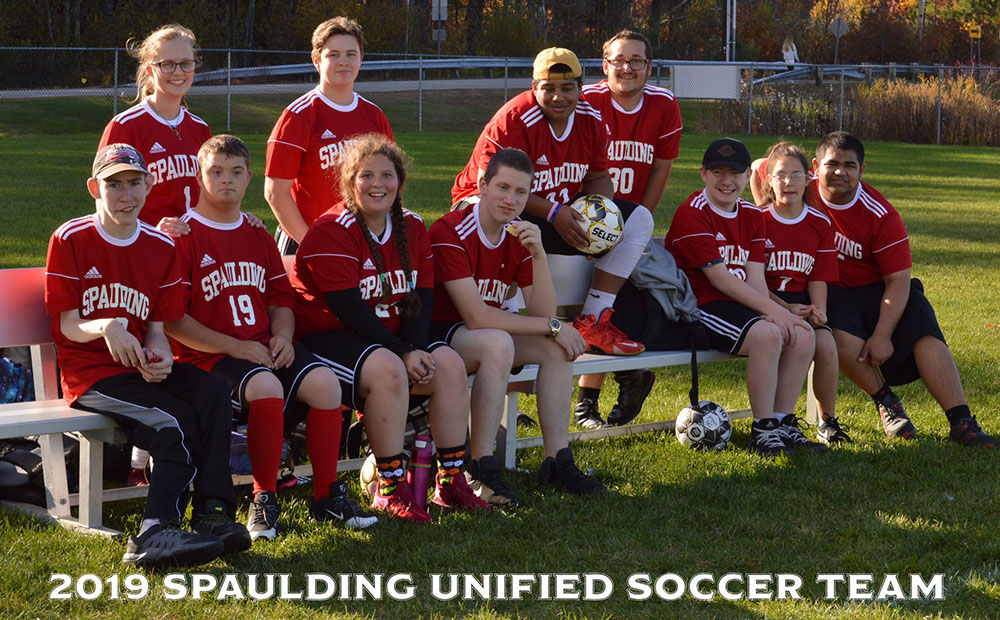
<point>162,546</point>
<point>895,422</point>
<point>830,431</point>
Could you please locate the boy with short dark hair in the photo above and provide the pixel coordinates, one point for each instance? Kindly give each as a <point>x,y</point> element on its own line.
<point>885,328</point>
<point>718,240</point>
<point>111,282</point>
<point>239,326</point>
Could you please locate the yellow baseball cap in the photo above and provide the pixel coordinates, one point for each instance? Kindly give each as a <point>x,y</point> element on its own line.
<point>552,56</point>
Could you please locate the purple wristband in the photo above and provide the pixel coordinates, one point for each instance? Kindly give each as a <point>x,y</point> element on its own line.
<point>552,212</point>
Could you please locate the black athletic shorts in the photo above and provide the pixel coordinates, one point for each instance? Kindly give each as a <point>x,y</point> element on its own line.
<point>801,297</point>
<point>855,310</point>
<point>346,353</point>
<point>552,241</point>
<point>727,324</point>
<point>237,373</point>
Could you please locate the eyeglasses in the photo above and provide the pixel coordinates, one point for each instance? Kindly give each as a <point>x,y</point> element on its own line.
<point>781,177</point>
<point>169,66</point>
<point>635,64</point>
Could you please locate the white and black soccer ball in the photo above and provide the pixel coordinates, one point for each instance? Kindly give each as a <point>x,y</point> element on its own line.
<point>706,428</point>
<point>602,222</point>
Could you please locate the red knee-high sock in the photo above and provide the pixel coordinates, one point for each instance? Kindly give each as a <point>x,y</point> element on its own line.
<point>264,439</point>
<point>323,442</point>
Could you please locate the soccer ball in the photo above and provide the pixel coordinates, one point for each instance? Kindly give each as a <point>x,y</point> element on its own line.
<point>602,222</point>
<point>706,428</point>
<point>369,479</point>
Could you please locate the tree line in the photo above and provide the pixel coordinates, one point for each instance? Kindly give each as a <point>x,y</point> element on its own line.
<point>880,30</point>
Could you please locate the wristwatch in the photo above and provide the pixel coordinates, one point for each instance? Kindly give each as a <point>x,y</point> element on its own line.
<point>554,326</point>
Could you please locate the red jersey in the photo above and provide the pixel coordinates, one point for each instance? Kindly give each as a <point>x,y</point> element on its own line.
<point>132,280</point>
<point>702,233</point>
<point>798,251</point>
<point>231,273</point>
<point>561,163</point>
<point>461,250</point>
<point>651,130</point>
<point>170,149</point>
<point>869,235</point>
<point>334,256</point>
<point>306,143</point>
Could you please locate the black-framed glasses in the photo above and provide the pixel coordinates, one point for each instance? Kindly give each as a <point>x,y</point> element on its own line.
<point>169,66</point>
<point>635,64</point>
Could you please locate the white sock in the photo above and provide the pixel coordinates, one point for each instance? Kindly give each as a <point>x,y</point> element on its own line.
<point>146,524</point>
<point>597,301</point>
<point>139,458</point>
<point>622,259</point>
<point>779,416</point>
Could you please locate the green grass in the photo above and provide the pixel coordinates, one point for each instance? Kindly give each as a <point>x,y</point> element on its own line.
<point>877,507</point>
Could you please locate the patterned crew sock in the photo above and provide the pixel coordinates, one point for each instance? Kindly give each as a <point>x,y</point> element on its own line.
<point>390,470</point>
<point>452,463</point>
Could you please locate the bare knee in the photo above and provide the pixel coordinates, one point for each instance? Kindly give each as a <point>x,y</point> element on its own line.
<point>320,389</point>
<point>263,384</point>
<point>764,338</point>
<point>492,349</point>
<point>383,370</point>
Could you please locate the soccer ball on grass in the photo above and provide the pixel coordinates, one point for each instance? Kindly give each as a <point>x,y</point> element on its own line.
<point>706,428</point>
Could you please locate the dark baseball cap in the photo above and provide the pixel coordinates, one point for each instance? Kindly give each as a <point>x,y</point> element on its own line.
<point>726,152</point>
<point>115,158</point>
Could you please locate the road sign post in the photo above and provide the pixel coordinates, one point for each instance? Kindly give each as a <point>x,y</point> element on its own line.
<point>838,28</point>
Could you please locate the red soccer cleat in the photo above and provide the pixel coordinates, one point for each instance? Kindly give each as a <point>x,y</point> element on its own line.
<point>400,504</point>
<point>603,337</point>
<point>457,494</point>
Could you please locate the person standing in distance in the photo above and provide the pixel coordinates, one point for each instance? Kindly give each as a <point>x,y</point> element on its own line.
<point>645,125</point>
<point>302,179</point>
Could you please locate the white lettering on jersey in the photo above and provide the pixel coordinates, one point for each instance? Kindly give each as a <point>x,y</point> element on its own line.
<point>115,295</point>
<point>846,247</point>
<point>174,166</point>
<point>329,155</point>
<point>629,150</point>
<point>554,177</point>
<point>493,290</point>
<point>734,255</point>
<point>371,287</point>
<point>243,273</point>
<point>787,260</point>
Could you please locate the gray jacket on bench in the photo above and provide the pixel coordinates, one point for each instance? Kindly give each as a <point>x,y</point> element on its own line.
<point>658,273</point>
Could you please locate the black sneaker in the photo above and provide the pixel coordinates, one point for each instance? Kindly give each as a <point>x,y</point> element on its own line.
<point>564,472</point>
<point>830,431</point>
<point>895,422</point>
<point>163,546</point>
<point>633,388</point>
<point>262,520</point>
<point>792,433</point>
<point>968,433</point>
<point>215,521</point>
<point>767,439</point>
<point>484,480</point>
<point>587,415</point>
<point>337,506</point>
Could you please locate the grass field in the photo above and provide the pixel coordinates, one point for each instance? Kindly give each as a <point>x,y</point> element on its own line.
<point>879,507</point>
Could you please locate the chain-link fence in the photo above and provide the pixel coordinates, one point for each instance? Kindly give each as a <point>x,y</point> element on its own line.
<point>74,90</point>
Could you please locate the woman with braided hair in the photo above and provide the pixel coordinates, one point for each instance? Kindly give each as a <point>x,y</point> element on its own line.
<point>364,275</point>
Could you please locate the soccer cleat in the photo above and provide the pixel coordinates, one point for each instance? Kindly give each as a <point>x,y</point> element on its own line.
<point>968,433</point>
<point>793,436</point>
<point>895,422</point>
<point>400,504</point>
<point>262,519</point>
<point>633,388</point>
<point>563,471</point>
<point>603,337</point>
<point>163,546</point>
<point>215,521</point>
<point>587,415</point>
<point>338,506</point>
<point>454,492</point>
<point>767,439</point>
<point>484,480</point>
<point>137,478</point>
<point>830,431</point>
